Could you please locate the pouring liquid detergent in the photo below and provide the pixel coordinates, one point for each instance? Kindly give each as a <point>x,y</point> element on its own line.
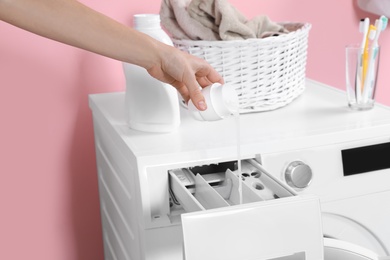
<point>222,101</point>
<point>151,105</point>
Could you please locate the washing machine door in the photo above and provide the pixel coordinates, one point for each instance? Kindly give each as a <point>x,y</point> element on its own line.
<point>346,229</point>
<point>335,249</point>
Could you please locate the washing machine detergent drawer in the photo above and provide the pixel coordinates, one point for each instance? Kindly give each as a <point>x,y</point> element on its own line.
<point>252,216</point>
<point>255,217</point>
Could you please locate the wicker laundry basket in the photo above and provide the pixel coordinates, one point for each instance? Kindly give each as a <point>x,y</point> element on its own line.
<point>267,73</point>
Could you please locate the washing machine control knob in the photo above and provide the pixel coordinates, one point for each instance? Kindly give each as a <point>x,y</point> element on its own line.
<point>298,175</point>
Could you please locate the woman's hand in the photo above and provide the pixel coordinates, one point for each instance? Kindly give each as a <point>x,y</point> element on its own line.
<point>185,72</point>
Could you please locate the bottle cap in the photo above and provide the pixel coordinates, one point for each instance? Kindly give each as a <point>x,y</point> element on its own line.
<point>221,100</point>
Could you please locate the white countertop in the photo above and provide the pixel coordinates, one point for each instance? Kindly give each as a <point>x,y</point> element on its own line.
<point>320,116</point>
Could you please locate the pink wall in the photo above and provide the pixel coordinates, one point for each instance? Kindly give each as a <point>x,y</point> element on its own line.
<point>48,188</point>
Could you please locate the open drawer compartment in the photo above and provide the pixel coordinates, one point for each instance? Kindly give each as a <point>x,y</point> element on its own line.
<point>267,222</point>
<point>215,186</point>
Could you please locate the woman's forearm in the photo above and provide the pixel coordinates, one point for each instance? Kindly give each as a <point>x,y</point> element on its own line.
<point>72,23</point>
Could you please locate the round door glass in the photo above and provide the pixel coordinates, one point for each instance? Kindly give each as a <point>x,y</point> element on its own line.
<point>340,250</point>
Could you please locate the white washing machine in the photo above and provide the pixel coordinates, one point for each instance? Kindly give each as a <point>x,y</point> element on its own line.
<point>315,183</point>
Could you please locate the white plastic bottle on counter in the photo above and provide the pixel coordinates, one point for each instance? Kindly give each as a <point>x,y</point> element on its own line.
<point>151,105</point>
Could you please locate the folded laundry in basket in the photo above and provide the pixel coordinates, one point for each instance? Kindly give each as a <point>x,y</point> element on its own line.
<point>222,17</point>
<point>213,20</point>
<point>178,22</point>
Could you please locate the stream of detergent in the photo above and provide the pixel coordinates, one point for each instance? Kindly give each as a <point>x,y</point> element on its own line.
<point>238,138</point>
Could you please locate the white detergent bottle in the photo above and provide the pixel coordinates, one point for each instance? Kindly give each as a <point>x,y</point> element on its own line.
<point>222,101</point>
<point>151,105</point>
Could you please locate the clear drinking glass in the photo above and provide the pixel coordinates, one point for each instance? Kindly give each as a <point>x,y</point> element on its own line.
<point>361,75</point>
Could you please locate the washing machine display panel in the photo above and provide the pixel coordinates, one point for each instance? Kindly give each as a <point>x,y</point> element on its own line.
<point>366,159</point>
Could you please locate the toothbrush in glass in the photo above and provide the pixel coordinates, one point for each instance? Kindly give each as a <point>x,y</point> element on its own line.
<point>381,25</point>
<point>370,36</point>
<point>363,28</point>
